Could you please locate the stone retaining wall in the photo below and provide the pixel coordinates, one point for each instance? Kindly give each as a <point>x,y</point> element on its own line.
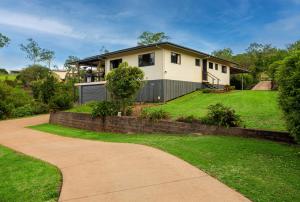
<point>137,125</point>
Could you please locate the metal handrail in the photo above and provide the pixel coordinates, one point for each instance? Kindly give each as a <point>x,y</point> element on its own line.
<point>213,78</point>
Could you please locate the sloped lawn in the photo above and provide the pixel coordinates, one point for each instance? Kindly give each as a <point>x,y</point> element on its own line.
<point>258,109</point>
<point>23,178</point>
<point>261,170</point>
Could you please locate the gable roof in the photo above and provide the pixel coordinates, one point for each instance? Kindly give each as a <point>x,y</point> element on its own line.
<point>161,44</point>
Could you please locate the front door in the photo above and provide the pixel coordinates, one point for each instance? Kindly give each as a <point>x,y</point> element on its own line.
<point>204,70</point>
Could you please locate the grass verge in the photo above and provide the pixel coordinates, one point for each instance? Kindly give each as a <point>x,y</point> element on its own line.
<point>261,170</point>
<point>24,178</point>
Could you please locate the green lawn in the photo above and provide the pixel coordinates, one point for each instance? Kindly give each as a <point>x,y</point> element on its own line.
<point>7,76</point>
<point>23,178</point>
<point>261,170</point>
<point>258,109</point>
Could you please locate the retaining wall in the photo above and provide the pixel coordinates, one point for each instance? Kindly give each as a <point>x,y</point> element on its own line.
<point>136,125</point>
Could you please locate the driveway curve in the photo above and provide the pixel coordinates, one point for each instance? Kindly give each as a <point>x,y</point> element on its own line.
<point>101,171</point>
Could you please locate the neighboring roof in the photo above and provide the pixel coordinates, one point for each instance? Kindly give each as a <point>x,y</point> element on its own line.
<point>167,44</point>
<point>61,73</point>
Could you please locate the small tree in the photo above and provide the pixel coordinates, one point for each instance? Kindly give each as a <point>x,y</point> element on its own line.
<point>47,56</point>
<point>147,38</point>
<point>289,92</point>
<point>4,40</point>
<point>32,50</point>
<point>225,53</point>
<point>123,83</point>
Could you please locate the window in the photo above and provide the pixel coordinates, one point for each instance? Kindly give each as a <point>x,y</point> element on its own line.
<point>210,65</point>
<point>197,62</point>
<point>224,69</point>
<point>146,59</point>
<point>115,63</point>
<point>216,66</point>
<point>175,58</point>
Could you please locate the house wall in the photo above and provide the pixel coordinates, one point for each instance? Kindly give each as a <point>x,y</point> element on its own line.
<point>224,78</point>
<point>152,72</point>
<point>186,71</point>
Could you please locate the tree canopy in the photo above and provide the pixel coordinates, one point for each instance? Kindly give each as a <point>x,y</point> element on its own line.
<point>4,40</point>
<point>147,38</point>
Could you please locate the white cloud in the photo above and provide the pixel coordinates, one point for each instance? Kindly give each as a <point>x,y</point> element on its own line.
<point>36,23</point>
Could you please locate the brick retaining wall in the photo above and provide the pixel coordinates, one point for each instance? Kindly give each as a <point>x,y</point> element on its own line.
<point>137,125</point>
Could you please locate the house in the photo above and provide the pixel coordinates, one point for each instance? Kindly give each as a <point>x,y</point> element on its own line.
<point>61,74</point>
<point>171,71</point>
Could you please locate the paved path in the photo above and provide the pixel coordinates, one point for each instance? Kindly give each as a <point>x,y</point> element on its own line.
<point>263,85</point>
<point>99,171</point>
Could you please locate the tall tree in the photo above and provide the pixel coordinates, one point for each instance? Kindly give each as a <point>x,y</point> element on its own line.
<point>294,46</point>
<point>225,53</point>
<point>4,40</point>
<point>47,56</point>
<point>32,50</point>
<point>147,38</point>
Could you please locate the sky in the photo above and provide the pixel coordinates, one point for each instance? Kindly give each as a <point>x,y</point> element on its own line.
<point>82,27</point>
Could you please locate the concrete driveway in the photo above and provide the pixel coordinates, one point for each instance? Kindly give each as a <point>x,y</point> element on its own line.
<point>99,171</point>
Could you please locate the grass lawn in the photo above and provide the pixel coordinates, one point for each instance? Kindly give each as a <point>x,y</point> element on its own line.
<point>258,109</point>
<point>8,76</point>
<point>27,179</point>
<point>261,170</point>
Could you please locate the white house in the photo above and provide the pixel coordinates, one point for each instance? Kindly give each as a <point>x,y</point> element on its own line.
<point>170,70</point>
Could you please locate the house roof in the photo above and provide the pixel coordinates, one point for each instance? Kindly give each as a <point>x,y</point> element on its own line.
<point>235,67</point>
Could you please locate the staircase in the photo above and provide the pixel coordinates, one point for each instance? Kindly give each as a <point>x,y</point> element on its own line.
<point>214,84</point>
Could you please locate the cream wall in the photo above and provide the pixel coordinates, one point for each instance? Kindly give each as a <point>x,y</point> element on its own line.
<point>164,69</point>
<point>186,71</point>
<point>152,72</point>
<point>224,78</point>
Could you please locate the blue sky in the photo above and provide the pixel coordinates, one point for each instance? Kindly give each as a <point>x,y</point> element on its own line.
<point>81,28</point>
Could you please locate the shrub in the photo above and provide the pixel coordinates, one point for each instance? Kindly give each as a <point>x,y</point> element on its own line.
<point>39,108</point>
<point>189,119</point>
<point>129,111</point>
<point>289,92</point>
<point>123,84</point>
<point>32,73</point>
<point>5,110</point>
<point>18,97</point>
<point>156,114</point>
<point>104,108</point>
<point>206,91</point>
<point>220,115</point>
<point>61,102</point>
<point>22,111</point>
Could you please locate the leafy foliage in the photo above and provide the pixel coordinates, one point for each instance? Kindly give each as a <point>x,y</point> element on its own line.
<point>153,115</point>
<point>3,71</point>
<point>220,115</point>
<point>123,83</point>
<point>61,102</point>
<point>104,109</point>
<point>225,53</point>
<point>22,111</point>
<point>32,73</point>
<point>189,119</point>
<point>47,56</point>
<point>147,38</point>
<point>4,40</point>
<point>32,49</point>
<point>289,91</point>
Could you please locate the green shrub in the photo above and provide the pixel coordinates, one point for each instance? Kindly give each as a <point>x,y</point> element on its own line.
<point>206,90</point>
<point>289,92</point>
<point>188,119</point>
<point>18,97</point>
<point>22,111</point>
<point>104,108</point>
<point>220,115</point>
<point>156,114</point>
<point>5,110</point>
<point>129,111</point>
<point>39,108</point>
<point>61,102</point>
